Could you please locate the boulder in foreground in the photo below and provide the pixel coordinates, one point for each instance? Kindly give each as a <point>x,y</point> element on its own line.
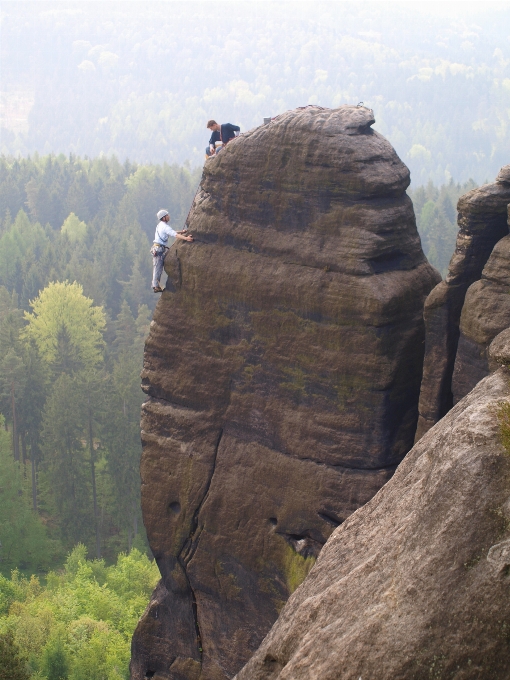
<point>414,585</point>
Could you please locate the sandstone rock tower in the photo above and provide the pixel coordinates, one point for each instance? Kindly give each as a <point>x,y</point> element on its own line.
<point>282,371</point>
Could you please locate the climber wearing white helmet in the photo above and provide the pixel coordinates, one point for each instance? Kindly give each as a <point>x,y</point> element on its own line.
<point>159,247</point>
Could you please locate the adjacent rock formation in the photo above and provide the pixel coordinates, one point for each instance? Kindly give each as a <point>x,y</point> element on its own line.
<point>486,312</point>
<point>482,223</point>
<point>282,371</point>
<point>415,584</point>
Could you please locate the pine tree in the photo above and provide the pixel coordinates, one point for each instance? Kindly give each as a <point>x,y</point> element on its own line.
<point>65,459</point>
<point>125,330</point>
<point>22,535</point>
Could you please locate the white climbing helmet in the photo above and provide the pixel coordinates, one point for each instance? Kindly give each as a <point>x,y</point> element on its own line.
<point>162,214</point>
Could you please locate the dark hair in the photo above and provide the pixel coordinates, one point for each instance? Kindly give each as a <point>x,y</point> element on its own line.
<point>211,123</point>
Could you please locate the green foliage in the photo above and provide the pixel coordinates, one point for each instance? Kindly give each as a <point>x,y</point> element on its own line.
<point>10,591</point>
<point>296,568</point>
<point>65,459</point>
<point>74,228</point>
<point>101,241</point>
<point>66,327</point>
<point>23,539</point>
<point>79,626</point>
<point>54,662</point>
<point>81,429</point>
<point>70,364</point>
<point>12,665</point>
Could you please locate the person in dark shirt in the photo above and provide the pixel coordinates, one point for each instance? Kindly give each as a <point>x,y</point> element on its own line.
<point>220,133</point>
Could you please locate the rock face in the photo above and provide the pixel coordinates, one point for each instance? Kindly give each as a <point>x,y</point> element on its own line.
<point>415,584</point>
<point>486,312</point>
<point>482,223</point>
<point>282,372</point>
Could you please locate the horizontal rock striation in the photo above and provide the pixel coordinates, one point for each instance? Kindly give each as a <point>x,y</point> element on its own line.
<point>482,219</point>
<point>282,372</point>
<point>415,583</point>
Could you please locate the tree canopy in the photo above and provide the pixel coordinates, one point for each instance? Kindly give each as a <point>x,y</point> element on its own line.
<point>78,625</point>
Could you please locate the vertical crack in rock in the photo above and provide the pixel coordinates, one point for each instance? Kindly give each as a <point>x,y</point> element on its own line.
<point>191,544</point>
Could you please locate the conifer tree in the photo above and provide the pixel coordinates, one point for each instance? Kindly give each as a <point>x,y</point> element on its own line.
<point>23,539</point>
<point>65,459</point>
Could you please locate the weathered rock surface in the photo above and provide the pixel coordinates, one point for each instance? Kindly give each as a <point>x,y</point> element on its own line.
<point>482,223</point>
<point>282,372</point>
<point>415,584</point>
<point>499,350</point>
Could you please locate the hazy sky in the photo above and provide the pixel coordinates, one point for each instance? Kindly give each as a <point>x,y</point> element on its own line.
<point>140,79</point>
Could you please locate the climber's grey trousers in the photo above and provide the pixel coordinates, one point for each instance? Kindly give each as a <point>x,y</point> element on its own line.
<point>158,259</point>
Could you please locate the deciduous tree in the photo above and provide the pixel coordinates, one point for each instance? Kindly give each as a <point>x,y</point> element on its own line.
<point>67,328</point>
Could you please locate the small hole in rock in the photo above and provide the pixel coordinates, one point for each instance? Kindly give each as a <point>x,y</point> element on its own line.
<point>270,663</point>
<point>175,507</point>
<point>273,521</point>
<point>150,674</point>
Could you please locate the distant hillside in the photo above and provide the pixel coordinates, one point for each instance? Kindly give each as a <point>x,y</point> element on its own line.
<point>140,80</point>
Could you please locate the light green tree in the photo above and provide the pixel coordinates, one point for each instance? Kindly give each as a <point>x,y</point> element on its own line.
<point>67,328</point>
<point>75,229</point>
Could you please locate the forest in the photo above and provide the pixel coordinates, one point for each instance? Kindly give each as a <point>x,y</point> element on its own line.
<point>436,218</point>
<point>140,80</point>
<point>75,305</point>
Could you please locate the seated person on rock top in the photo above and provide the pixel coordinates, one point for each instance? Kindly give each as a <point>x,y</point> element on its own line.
<point>160,248</point>
<point>220,133</point>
